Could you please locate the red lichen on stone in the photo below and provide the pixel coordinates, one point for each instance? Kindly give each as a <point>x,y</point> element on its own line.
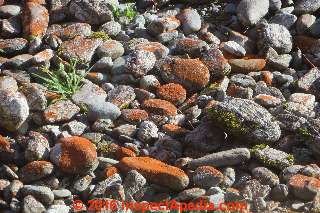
<point>134,115</point>
<point>155,171</point>
<point>175,130</point>
<point>267,77</point>
<point>209,170</point>
<point>109,171</point>
<point>160,107</point>
<point>37,167</point>
<point>174,93</point>
<point>233,90</point>
<point>299,182</point>
<point>122,152</point>
<point>155,47</point>
<point>265,97</point>
<point>75,152</point>
<point>4,144</point>
<point>35,19</point>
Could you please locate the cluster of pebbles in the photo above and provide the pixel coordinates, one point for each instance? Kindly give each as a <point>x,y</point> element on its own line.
<point>188,100</point>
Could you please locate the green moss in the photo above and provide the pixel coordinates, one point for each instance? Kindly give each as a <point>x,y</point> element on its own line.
<point>31,38</point>
<point>106,148</point>
<point>129,11</point>
<point>304,133</point>
<point>290,158</point>
<point>84,109</point>
<point>125,106</point>
<point>285,105</point>
<point>102,35</point>
<point>2,51</point>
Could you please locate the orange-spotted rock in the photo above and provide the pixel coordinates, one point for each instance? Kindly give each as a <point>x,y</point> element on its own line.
<point>110,48</point>
<point>74,155</point>
<point>215,61</point>
<point>173,93</point>
<point>207,176</point>
<point>35,170</point>
<point>156,172</point>
<point>304,187</point>
<point>174,130</point>
<point>60,111</point>
<point>35,20</point>
<point>159,107</point>
<point>13,46</point>
<point>191,46</point>
<point>246,65</point>
<point>192,74</point>
<point>4,144</point>
<point>109,171</point>
<point>162,25</point>
<point>79,48</point>
<point>267,100</point>
<point>158,49</point>
<point>70,31</point>
<point>134,115</point>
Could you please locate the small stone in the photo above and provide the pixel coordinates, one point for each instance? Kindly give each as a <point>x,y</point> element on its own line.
<point>110,48</point>
<point>159,107</point>
<point>265,176</point>
<point>74,155</point>
<point>280,192</point>
<point>190,20</point>
<point>31,205</point>
<point>158,49</point>
<point>190,194</point>
<point>247,65</point>
<point>147,132</point>
<point>8,11</point>
<point>190,46</point>
<point>61,193</point>
<point>103,110</point>
<point>251,11</point>
<point>8,83</point>
<point>112,28</point>
<point>101,189</point>
<point>156,172</point>
<point>134,116</point>
<point>35,96</point>
<point>69,30</point>
<point>173,93</point>
<point>267,100</point>
<point>41,193</point>
<point>216,63</point>
<point>233,48</point>
<point>306,6</point>
<point>35,170</point>
<point>304,187</point>
<point>13,46</point>
<point>133,182</point>
<point>220,159</point>
<point>89,94</point>
<point>38,147</point>
<point>76,128</point>
<point>60,111</point>
<point>149,82</point>
<point>161,25</point>
<point>285,19</point>
<point>207,177</point>
<point>11,27</point>
<point>121,95</point>
<point>140,62</point>
<point>304,22</point>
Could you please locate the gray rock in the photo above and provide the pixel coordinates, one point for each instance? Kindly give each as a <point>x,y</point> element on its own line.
<point>285,19</point>
<point>41,193</point>
<point>190,46</point>
<point>276,36</point>
<point>110,48</point>
<point>133,182</point>
<point>11,27</point>
<point>265,176</point>
<point>60,111</point>
<point>14,110</point>
<point>244,118</point>
<point>147,132</point>
<point>254,189</point>
<point>35,170</point>
<point>104,64</point>
<point>233,48</point>
<point>102,187</point>
<point>190,194</point>
<point>279,62</point>
<point>307,83</point>
<point>35,96</point>
<point>149,82</point>
<point>242,80</point>
<point>215,62</point>
<point>103,110</point>
<point>31,205</point>
<point>13,46</point>
<point>112,28</point>
<point>38,147</point>
<point>206,177</point>
<point>251,11</point>
<point>93,11</point>
<point>8,83</point>
<point>220,159</point>
<point>275,4</point>
<point>306,6</point>
<point>280,192</point>
<point>7,11</point>
<point>61,193</point>
<point>121,96</point>
<point>304,22</point>
<point>81,184</point>
<point>229,177</point>
<point>140,62</point>
<point>75,127</point>
<point>314,28</point>
<point>58,209</point>
<point>89,94</point>
<point>190,20</point>
<point>59,10</point>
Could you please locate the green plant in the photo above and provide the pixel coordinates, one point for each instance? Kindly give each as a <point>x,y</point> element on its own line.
<point>129,11</point>
<point>100,34</point>
<point>2,51</point>
<point>64,81</point>
<point>31,38</point>
<point>304,133</point>
<point>290,158</point>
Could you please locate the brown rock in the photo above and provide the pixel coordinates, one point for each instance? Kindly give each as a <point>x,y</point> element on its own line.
<point>304,187</point>
<point>134,115</point>
<point>173,93</point>
<point>156,172</point>
<point>160,107</point>
<point>207,176</point>
<point>35,170</point>
<point>35,20</point>
<point>246,65</point>
<point>307,44</point>
<point>4,144</point>
<point>174,130</point>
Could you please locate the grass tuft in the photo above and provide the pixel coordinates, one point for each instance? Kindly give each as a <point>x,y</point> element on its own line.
<point>130,12</point>
<point>102,35</point>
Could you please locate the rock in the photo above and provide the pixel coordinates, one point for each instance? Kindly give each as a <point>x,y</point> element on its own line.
<point>304,187</point>
<point>74,155</point>
<point>133,182</point>
<point>205,137</point>
<point>11,27</point>
<point>134,116</point>
<point>121,96</point>
<point>307,6</point>
<point>79,48</point>
<point>41,193</point>
<point>280,192</point>
<point>216,63</point>
<point>190,20</point>
<point>13,46</point>
<point>101,188</point>
<point>76,128</point>
<point>69,30</point>
<point>58,208</point>
<point>254,189</point>
<point>250,12</point>
<point>89,94</point>
<point>220,159</point>
<point>192,74</point>
<point>8,11</point>
<point>95,12</point>
<point>246,65</point>
<point>239,117</point>
<point>158,49</point>
<point>35,20</point>
<point>162,25</point>
<point>35,96</point>
<point>112,28</point>
<point>60,111</point>
<point>61,193</point>
<point>110,48</point>
<point>207,176</point>
<point>35,170</point>
<point>265,176</point>
<point>304,22</point>
<point>270,157</point>
<point>31,205</point>
<point>173,93</point>
<point>285,19</point>
<point>8,83</point>
<point>233,48</point>
<point>159,107</point>
<point>276,36</point>
<point>190,194</point>
<point>314,29</point>
<point>14,110</point>
<point>267,101</point>
<point>38,147</point>
<point>307,44</point>
<point>309,80</point>
<point>275,4</point>
<point>190,46</point>
<point>103,110</point>
<point>156,172</point>
<point>59,10</point>
<point>147,132</point>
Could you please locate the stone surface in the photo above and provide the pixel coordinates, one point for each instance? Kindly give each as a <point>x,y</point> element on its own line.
<point>251,11</point>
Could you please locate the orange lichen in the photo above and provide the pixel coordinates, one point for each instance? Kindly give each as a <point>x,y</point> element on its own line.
<point>300,181</point>
<point>174,93</point>
<point>209,170</point>
<point>267,77</point>
<point>4,144</point>
<point>172,129</point>
<point>246,66</point>
<point>155,171</point>
<point>35,19</point>
<point>134,115</point>
<point>122,152</point>
<point>37,167</point>
<point>76,152</point>
<point>160,107</point>
<point>109,171</point>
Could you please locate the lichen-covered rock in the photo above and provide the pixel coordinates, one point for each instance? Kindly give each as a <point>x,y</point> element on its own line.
<point>74,155</point>
<point>173,93</point>
<point>35,96</point>
<point>35,170</point>
<point>38,147</point>
<point>190,46</point>
<point>134,115</point>
<point>158,49</point>
<point>244,118</point>
<point>304,187</point>
<point>14,110</point>
<point>306,6</point>
<point>121,96</point>
<point>207,177</point>
<point>192,74</point>
<point>156,172</point>
<point>159,107</point>
<point>69,30</point>
<point>190,20</point>
<point>13,46</point>
<point>110,48</point>
<point>60,111</point>
<point>35,20</point>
